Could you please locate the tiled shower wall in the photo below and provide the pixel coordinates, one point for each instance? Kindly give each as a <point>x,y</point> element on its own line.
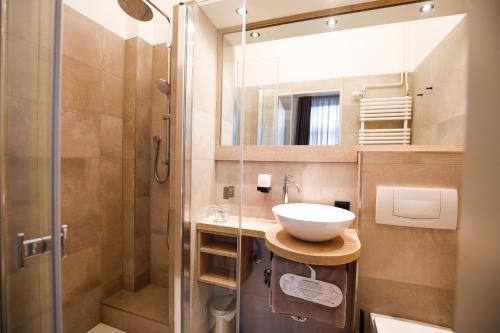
<point>145,200</point>
<point>91,167</point>
<point>110,105</point>
<point>159,192</point>
<point>137,164</point>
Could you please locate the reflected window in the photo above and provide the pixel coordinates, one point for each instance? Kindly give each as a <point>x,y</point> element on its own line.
<point>317,120</point>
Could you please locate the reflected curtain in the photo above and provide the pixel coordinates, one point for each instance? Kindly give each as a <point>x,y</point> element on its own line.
<point>324,120</point>
<point>303,123</point>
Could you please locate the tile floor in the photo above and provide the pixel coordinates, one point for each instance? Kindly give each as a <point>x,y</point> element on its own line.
<point>151,302</point>
<point>102,328</point>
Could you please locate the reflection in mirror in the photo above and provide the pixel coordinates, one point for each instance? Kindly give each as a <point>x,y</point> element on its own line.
<point>394,75</point>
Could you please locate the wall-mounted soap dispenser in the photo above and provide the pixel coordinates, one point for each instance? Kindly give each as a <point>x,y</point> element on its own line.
<point>264,183</point>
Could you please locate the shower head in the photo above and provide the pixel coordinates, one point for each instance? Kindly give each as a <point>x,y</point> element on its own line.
<point>140,9</point>
<point>163,86</point>
<point>137,9</point>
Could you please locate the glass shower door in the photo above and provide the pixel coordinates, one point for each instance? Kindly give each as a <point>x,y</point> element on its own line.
<point>28,166</point>
<point>208,245</point>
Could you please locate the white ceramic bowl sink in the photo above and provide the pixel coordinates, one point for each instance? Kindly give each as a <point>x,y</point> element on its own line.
<point>313,222</point>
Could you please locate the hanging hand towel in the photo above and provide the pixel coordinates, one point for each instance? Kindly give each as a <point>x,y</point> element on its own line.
<point>286,304</point>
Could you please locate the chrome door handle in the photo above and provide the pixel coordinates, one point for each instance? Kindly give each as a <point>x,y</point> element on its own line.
<point>37,246</point>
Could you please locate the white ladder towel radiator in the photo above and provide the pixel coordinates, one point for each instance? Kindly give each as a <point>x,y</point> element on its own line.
<point>385,109</point>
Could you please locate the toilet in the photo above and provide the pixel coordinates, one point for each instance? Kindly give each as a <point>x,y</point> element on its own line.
<point>387,324</point>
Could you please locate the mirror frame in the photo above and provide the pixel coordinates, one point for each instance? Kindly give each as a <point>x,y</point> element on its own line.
<point>293,153</point>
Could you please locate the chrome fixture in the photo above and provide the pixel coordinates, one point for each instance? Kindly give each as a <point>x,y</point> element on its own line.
<point>157,141</point>
<point>37,246</point>
<point>163,86</point>
<point>136,9</point>
<point>139,9</point>
<point>288,180</point>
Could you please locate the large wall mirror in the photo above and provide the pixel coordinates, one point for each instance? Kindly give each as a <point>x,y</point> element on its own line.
<point>393,75</point>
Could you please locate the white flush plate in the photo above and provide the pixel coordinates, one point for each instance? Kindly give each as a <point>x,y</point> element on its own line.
<point>434,208</point>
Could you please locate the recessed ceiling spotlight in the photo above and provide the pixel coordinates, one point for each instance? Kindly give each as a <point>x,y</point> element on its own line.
<point>241,11</point>
<point>426,8</point>
<point>255,34</point>
<point>331,22</point>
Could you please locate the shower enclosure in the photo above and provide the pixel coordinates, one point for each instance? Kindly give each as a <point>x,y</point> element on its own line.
<point>33,298</point>
<point>77,147</point>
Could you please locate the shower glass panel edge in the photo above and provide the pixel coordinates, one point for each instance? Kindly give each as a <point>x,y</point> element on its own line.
<point>187,114</point>
<point>180,202</point>
<point>241,96</point>
<point>191,295</point>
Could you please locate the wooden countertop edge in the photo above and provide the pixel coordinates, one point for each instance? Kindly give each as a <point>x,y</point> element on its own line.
<point>229,230</point>
<point>314,260</point>
<point>286,252</point>
<point>319,259</point>
<point>232,230</point>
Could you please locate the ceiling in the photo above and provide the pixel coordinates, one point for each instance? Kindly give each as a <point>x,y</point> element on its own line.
<point>222,12</point>
<point>375,17</point>
<point>109,15</point>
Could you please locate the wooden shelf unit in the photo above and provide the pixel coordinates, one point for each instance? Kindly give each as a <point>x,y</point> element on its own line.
<point>217,258</point>
<point>219,277</point>
<point>220,249</point>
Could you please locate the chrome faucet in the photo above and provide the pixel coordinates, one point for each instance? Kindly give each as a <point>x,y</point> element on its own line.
<point>288,180</point>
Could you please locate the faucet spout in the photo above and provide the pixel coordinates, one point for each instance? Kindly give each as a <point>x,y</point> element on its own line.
<point>287,181</point>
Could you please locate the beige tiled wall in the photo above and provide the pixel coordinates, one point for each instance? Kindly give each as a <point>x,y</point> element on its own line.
<point>159,192</point>
<point>203,150</point>
<point>137,164</point>
<point>407,272</point>
<point>439,115</point>
<point>320,182</point>
<point>91,167</point>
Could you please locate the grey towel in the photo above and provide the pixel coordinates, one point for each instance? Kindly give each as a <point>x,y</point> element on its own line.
<point>285,304</point>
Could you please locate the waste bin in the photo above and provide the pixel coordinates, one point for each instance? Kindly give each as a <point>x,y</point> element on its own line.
<point>223,311</point>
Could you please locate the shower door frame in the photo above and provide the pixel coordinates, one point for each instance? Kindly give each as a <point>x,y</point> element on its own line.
<point>180,184</point>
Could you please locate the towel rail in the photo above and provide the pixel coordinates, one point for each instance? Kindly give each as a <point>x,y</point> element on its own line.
<point>397,108</point>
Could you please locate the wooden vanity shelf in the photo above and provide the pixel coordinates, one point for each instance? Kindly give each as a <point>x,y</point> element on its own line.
<point>217,254</point>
